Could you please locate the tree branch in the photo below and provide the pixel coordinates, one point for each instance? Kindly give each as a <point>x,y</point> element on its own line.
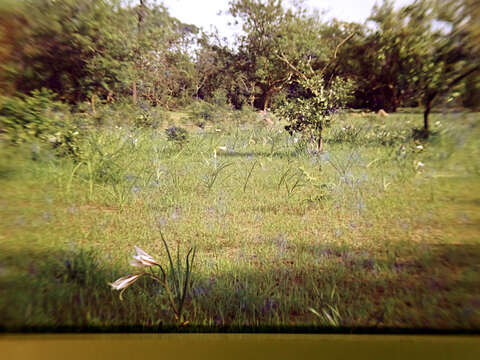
<point>342,43</point>
<point>336,51</point>
<point>285,60</point>
<point>464,75</point>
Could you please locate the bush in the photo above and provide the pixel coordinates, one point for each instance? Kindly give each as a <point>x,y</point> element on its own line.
<point>177,134</point>
<point>313,111</point>
<point>150,117</point>
<point>246,115</point>
<point>39,116</point>
<point>201,112</point>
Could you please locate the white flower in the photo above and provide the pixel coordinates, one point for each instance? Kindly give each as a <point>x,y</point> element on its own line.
<point>420,165</point>
<point>223,148</point>
<point>420,147</point>
<point>218,130</point>
<point>142,259</point>
<point>124,282</point>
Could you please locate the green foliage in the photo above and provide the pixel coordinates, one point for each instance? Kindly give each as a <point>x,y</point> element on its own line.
<point>453,53</point>
<point>39,117</point>
<point>150,117</point>
<point>312,113</point>
<point>270,30</point>
<point>105,48</point>
<point>107,51</point>
<point>177,135</point>
<point>202,112</point>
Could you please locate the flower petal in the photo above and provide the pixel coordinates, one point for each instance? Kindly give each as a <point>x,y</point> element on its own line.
<point>140,252</point>
<point>135,262</point>
<point>124,282</point>
<point>142,258</point>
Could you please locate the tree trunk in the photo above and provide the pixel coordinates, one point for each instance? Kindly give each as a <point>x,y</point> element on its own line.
<point>141,19</point>
<point>266,99</point>
<point>94,112</point>
<point>426,124</point>
<point>320,144</point>
<point>394,104</point>
<point>134,92</point>
<point>428,108</point>
<point>252,101</point>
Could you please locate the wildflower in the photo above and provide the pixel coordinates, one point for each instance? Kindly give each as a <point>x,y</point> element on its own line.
<point>142,259</point>
<point>124,282</point>
<point>420,165</point>
<point>223,148</point>
<point>420,147</point>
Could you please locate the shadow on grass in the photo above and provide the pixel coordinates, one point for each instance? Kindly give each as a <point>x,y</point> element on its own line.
<point>54,290</point>
<point>434,291</point>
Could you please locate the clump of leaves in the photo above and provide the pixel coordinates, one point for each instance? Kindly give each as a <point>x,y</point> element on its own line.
<point>202,112</point>
<point>177,135</point>
<point>39,116</point>
<point>148,117</point>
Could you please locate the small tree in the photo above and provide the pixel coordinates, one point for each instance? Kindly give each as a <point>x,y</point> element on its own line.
<point>311,108</point>
<point>454,51</point>
<point>312,112</point>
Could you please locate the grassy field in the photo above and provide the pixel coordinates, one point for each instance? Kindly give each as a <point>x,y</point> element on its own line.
<point>379,231</point>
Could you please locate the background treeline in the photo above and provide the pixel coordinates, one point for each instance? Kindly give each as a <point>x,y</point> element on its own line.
<point>110,50</point>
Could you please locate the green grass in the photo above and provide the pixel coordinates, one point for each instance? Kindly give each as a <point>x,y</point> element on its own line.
<point>358,237</point>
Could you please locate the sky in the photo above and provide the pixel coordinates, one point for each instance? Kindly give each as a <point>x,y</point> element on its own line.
<point>204,13</point>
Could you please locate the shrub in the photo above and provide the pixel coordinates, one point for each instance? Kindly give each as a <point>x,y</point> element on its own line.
<point>201,112</point>
<point>312,112</point>
<point>39,116</point>
<point>246,115</point>
<point>177,135</point>
<point>150,117</point>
